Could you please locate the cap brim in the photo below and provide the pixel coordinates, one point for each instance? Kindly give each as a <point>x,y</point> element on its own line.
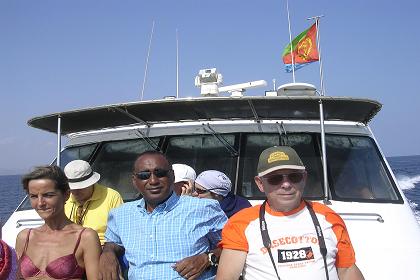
<point>296,167</point>
<point>86,183</point>
<point>177,180</point>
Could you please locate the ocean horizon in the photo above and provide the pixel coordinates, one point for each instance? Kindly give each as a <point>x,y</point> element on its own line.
<point>406,170</point>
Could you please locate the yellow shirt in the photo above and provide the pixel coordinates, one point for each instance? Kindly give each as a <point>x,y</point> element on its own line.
<point>95,209</point>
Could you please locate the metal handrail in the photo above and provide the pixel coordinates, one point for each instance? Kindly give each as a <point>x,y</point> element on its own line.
<point>20,222</point>
<point>378,217</point>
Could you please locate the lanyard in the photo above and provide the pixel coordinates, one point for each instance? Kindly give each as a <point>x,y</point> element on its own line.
<point>79,215</point>
<point>267,241</point>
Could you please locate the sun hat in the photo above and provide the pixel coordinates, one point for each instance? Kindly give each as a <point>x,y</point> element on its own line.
<point>183,172</point>
<point>80,174</point>
<point>278,157</point>
<point>214,181</point>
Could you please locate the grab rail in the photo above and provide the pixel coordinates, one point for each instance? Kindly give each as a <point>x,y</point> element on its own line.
<point>22,222</point>
<point>376,216</point>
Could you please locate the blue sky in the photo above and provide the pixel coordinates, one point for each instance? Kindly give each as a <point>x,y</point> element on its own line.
<point>62,55</point>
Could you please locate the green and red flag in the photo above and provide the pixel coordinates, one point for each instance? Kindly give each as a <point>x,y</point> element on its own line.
<point>303,49</point>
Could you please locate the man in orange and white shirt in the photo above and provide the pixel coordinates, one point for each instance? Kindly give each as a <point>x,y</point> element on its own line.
<point>278,239</point>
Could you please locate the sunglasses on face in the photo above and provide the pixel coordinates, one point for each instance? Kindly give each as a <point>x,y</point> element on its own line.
<point>145,175</point>
<point>277,179</point>
<point>200,191</point>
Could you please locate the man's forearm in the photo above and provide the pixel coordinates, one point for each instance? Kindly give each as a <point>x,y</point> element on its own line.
<point>114,248</point>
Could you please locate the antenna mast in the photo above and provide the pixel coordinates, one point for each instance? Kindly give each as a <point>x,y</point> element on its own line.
<point>147,61</point>
<point>177,66</point>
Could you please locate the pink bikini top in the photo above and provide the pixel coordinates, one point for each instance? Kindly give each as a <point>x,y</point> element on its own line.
<point>62,268</point>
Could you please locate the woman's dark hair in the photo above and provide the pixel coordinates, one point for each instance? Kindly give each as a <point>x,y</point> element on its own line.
<point>52,172</point>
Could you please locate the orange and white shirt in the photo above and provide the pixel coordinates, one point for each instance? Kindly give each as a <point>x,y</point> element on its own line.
<point>294,242</point>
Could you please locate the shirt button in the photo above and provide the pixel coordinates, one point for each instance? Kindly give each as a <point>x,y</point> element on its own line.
<point>151,236</point>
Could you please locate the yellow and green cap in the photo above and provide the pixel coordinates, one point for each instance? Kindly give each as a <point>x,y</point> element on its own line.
<point>278,157</point>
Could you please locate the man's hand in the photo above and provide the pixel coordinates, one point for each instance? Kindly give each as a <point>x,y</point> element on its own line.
<point>109,267</point>
<point>187,188</point>
<point>191,268</point>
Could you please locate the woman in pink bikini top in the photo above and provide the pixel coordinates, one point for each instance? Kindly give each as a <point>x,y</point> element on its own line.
<point>59,249</point>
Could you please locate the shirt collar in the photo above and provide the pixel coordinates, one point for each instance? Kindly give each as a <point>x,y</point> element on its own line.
<point>161,208</point>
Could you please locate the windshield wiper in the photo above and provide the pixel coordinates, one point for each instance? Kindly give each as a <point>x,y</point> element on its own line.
<point>222,140</point>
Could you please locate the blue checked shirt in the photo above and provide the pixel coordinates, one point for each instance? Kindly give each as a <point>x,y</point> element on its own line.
<point>181,227</point>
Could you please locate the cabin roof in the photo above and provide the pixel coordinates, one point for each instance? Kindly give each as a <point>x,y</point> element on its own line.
<point>209,109</point>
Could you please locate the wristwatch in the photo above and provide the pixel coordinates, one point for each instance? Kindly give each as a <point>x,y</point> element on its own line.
<point>213,260</point>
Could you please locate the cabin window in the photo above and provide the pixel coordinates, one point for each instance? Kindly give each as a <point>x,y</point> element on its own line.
<point>77,152</point>
<point>305,146</point>
<point>115,164</point>
<point>204,152</point>
<point>356,170</point>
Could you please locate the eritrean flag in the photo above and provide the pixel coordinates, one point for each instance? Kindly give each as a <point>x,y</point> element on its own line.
<point>304,50</point>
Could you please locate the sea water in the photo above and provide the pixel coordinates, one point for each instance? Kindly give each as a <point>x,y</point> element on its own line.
<point>406,170</point>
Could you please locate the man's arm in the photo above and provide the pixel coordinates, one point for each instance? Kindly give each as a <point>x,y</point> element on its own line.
<point>109,267</point>
<point>192,267</point>
<point>231,264</point>
<point>350,273</point>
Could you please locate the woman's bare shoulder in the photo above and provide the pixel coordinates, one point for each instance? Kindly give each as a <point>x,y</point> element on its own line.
<point>21,237</point>
<point>90,235</point>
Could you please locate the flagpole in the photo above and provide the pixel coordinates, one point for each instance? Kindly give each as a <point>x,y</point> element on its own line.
<point>318,39</point>
<point>321,114</point>
<point>290,40</point>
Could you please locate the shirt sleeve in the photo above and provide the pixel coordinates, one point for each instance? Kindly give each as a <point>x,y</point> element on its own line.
<point>116,200</point>
<point>112,233</point>
<point>216,221</point>
<point>345,255</point>
<point>233,234</point>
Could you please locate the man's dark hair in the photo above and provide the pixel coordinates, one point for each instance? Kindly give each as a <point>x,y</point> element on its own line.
<point>51,172</point>
<point>151,152</point>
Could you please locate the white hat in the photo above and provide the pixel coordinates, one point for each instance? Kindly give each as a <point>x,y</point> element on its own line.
<point>80,174</point>
<point>214,181</point>
<point>183,172</point>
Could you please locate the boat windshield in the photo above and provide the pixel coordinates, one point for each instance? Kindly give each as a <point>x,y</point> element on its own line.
<point>356,170</point>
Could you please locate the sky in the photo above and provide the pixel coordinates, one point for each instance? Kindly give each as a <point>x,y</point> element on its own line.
<point>62,55</point>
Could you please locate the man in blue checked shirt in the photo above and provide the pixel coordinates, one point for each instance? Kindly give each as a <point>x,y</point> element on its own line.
<point>163,235</point>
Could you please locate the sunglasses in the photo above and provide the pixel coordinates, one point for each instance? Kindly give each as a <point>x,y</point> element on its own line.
<point>295,177</point>
<point>145,175</point>
<point>200,191</point>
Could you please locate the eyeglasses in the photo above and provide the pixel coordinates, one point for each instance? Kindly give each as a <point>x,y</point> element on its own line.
<point>200,191</point>
<point>277,179</point>
<point>145,175</point>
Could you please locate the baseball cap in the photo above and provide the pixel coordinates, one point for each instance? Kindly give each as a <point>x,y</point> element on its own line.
<point>278,157</point>
<point>183,172</point>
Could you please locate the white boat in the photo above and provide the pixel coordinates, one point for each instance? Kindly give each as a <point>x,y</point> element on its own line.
<point>228,134</point>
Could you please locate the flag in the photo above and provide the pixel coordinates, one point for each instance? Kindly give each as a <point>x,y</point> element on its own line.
<point>304,50</point>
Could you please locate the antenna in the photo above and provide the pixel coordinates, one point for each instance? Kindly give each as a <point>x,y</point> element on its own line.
<point>147,61</point>
<point>238,89</point>
<point>177,66</point>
